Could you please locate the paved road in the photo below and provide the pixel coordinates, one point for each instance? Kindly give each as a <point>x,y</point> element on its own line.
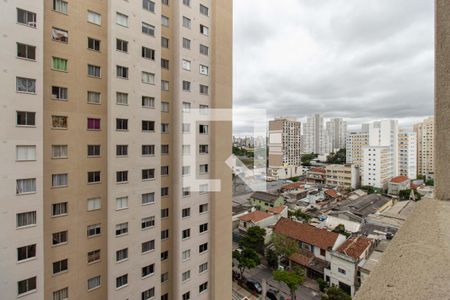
<point>262,272</point>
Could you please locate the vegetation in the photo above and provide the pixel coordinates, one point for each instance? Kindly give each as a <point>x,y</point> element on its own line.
<point>253,239</point>
<point>335,293</point>
<point>341,229</point>
<point>323,285</point>
<point>300,215</point>
<point>292,278</point>
<point>284,246</point>
<point>406,195</point>
<point>247,259</point>
<point>306,158</point>
<point>430,182</point>
<point>338,157</point>
<point>295,179</point>
<point>272,259</point>
<point>239,151</point>
<point>368,189</point>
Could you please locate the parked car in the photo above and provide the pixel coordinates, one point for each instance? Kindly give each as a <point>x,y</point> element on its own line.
<point>254,286</point>
<point>271,295</point>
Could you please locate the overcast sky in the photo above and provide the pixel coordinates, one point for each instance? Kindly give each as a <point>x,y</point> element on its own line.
<point>358,59</point>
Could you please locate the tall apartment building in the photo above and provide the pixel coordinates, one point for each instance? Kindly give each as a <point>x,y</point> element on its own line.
<point>315,137</point>
<point>407,152</point>
<point>354,147</point>
<point>337,131</point>
<point>425,147</point>
<point>98,153</point>
<point>284,142</point>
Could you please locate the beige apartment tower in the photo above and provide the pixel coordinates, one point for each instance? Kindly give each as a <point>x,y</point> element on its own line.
<point>96,151</point>
<point>425,147</point>
<point>284,142</point>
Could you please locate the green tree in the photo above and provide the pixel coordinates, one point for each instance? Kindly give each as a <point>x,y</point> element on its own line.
<point>272,259</point>
<point>306,158</point>
<point>247,259</point>
<point>322,284</point>
<point>430,182</point>
<point>292,278</point>
<point>338,157</point>
<point>368,189</point>
<point>335,293</point>
<point>254,239</point>
<point>284,246</point>
<point>341,229</point>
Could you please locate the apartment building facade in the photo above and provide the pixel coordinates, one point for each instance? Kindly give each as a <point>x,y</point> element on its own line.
<point>407,152</point>
<point>99,153</point>
<point>337,131</point>
<point>354,145</point>
<point>343,176</point>
<point>315,136</point>
<point>425,147</point>
<point>284,142</point>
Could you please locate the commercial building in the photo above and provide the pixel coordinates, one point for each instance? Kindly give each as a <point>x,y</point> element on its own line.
<point>342,176</point>
<point>284,142</point>
<point>425,147</point>
<point>407,151</point>
<point>99,155</point>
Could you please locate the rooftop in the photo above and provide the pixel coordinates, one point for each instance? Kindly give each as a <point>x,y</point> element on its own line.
<point>266,197</point>
<point>355,247</point>
<point>399,179</point>
<point>366,205</point>
<point>255,216</point>
<point>277,210</point>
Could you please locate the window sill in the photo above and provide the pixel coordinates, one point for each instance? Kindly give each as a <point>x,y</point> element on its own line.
<point>26,193</point>
<point>26,260</point>
<point>29,292</point>
<point>122,182</point>
<point>26,59</point>
<point>24,92</point>
<point>23,160</point>
<point>121,287</point>
<point>94,288</point>
<point>60,244</point>
<point>59,216</point>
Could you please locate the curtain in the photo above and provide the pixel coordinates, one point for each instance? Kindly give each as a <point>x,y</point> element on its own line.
<point>25,185</point>
<point>26,85</point>
<point>26,153</point>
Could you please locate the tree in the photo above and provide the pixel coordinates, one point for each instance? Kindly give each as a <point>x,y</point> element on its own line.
<point>254,239</point>
<point>338,157</point>
<point>292,278</point>
<point>272,259</point>
<point>368,189</point>
<point>335,293</point>
<point>429,182</point>
<point>306,158</point>
<point>406,195</point>
<point>284,246</point>
<point>322,284</point>
<point>341,229</point>
<point>247,259</point>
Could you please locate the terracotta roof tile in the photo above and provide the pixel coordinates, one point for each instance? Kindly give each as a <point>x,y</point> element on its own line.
<point>292,186</point>
<point>277,210</point>
<point>331,193</point>
<point>354,247</point>
<point>318,170</point>
<point>255,216</point>
<point>399,179</point>
<point>303,258</point>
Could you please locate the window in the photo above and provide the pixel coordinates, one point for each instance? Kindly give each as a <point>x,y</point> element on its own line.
<point>186,191</point>
<point>25,153</point>
<point>203,227</point>
<point>93,124</point>
<point>122,176</point>
<point>204,188</point>
<point>148,246</point>
<point>203,129</point>
<point>121,150</point>
<point>203,247</point>
<point>164,170</point>
<point>25,17</point>
<point>203,208</point>
<point>148,102</point>
<point>186,149</point>
<point>121,281</point>
<point>165,2</point>
<point>204,70</point>
<point>164,149</point>
<point>148,294</point>
<point>94,18</point>
<point>26,51</point>
<point>93,71</point>
<point>59,238</point>
<point>164,277</point>
<point>186,254</point>
<point>93,44</point>
<point>204,49</point>
<point>61,294</point>
<point>121,98</point>
<point>165,21</point>
<point>186,233</point>
<point>60,180</point>
<point>26,252</point>
<point>203,267</point>
<point>93,282</point>
<point>204,10</point>
<point>164,128</point>
<point>148,150</point>
<point>26,285</point>
<point>121,203</point>
<point>148,53</point>
<point>94,204</point>
<point>93,256</point>
<point>59,93</point>
<point>164,85</point>
<point>322,252</point>
<point>60,6</point>
<point>148,270</point>
<point>164,106</point>
<point>93,150</point>
<point>204,89</point>
<point>148,78</point>
<point>121,45</point>
<point>59,209</point>
<point>342,271</point>
<point>121,19</point>
<point>164,213</point>
<point>121,124</point>
<point>186,86</point>
<point>25,186</point>
<point>26,118</point>
<point>121,229</point>
<point>186,275</point>
<point>147,222</point>
<point>164,234</point>
<point>186,65</point>
<point>187,2</point>
<point>204,30</point>
<point>148,125</point>
<point>186,212</point>
<point>187,22</point>
<point>203,149</point>
<point>121,254</point>
<point>148,5</point>
<point>93,230</point>
<point>185,170</point>
<point>94,177</point>
<point>60,266</point>
<point>25,85</point>
<point>164,63</point>
<point>164,191</point>
<point>148,29</point>
<point>186,296</point>
<point>60,35</point>
<point>164,42</point>
<point>186,107</point>
<point>203,287</point>
<point>59,122</point>
<point>203,168</point>
<point>93,97</point>
<point>122,72</point>
<point>186,43</point>
<point>164,255</point>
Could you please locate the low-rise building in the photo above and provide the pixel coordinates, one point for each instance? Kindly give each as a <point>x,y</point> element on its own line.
<point>316,175</point>
<point>397,184</point>
<point>285,172</point>
<point>263,200</point>
<point>256,218</point>
<point>343,176</point>
<point>366,205</point>
<point>352,223</point>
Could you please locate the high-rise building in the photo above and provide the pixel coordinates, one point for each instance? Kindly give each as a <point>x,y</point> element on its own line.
<point>315,137</point>
<point>337,132</point>
<point>284,142</point>
<point>407,152</point>
<point>354,147</point>
<point>425,147</point>
<point>96,152</point>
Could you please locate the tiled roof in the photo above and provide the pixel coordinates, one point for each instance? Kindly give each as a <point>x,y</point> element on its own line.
<point>331,193</point>
<point>399,179</point>
<point>303,258</point>
<point>292,186</point>
<point>266,197</point>
<point>277,210</point>
<point>318,170</point>
<point>321,238</point>
<point>255,216</point>
<point>354,247</point>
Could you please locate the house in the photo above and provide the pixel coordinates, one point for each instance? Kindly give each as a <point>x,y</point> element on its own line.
<point>351,222</point>
<point>343,176</point>
<point>345,262</point>
<point>315,245</point>
<point>263,200</point>
<point>293,187</point>
<point>279,211</point>
<point>397,184</point>
<point>256,218</point>
<point>316,175</point>
<point>366,205</point>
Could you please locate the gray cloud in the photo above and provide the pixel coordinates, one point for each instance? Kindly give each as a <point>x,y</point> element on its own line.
<point>362,60</point>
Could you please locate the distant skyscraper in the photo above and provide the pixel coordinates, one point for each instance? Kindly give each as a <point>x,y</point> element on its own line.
<point>315,136</point>
<point>284,142</point>
<point>407,151</point>
<point>337,132</point>
<point>425,147</point>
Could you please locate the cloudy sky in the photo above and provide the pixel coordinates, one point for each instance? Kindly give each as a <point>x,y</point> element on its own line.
<point>358,59</point>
